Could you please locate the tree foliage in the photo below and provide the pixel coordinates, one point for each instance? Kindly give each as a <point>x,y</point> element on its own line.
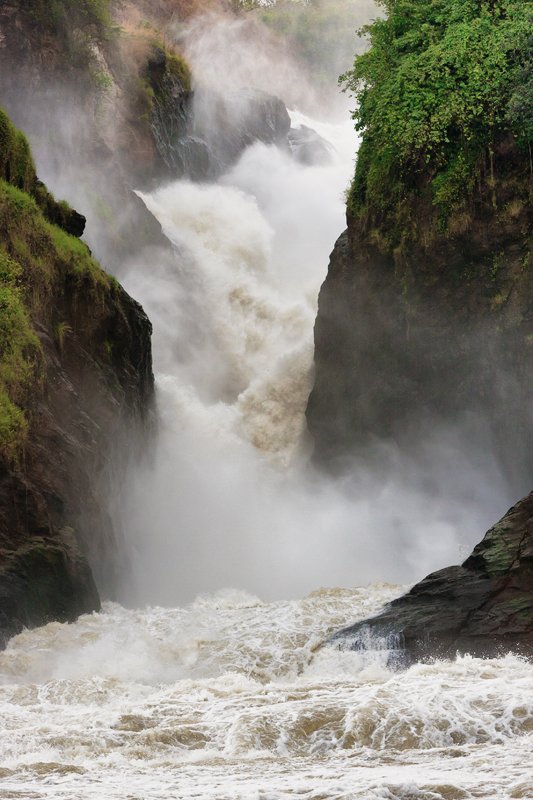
<point>440,81</point>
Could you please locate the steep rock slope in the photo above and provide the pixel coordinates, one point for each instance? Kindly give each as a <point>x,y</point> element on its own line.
<point>434,330</point>
<point>425,319</point>
<point>75,383</point>
<point>483,607</point>
<point>426,312</point>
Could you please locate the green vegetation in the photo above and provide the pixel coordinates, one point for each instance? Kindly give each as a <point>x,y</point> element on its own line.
<point>60,14</point>
<point>17,168</point>
<point>442,83</point>
<point>19,348</point>
<point>37,258</point>
<point>177,67</point>
<point>16,163</point>
<point>165,65</point>
<point>163,69</point>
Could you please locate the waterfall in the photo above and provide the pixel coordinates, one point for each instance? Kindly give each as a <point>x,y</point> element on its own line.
<point>229,498</point>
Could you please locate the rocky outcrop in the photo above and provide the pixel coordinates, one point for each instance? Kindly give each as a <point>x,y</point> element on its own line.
<point>76,388</point>
<point>438,328</point>
<point>85,92</point>
<point>203,133</point>
<point>230,122</point>
<point>483,607</point>
<point>308,147</point>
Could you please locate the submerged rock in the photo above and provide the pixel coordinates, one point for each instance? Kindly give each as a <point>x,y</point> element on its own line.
<point>308,147</point>
<point>483,607</point>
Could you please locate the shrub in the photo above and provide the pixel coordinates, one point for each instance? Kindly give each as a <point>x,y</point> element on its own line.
<point>441,81</point>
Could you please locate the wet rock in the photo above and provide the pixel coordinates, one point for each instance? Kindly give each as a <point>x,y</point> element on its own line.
<point>212,130</point>
<point>232,121</point>
<point>433,331</point>
<point>483,607</point>
<point>43,580</point>
<point>88,417</point>
<point>76,413</point>
<point>308,147</point>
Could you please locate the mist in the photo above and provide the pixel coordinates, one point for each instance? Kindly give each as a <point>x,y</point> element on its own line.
<point>229,496</point>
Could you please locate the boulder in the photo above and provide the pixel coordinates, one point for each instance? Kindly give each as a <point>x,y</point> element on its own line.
<point>483,607</point>
<point>308,147</point>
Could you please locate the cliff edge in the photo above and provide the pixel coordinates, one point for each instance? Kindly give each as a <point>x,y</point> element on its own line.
<point>75,382</point>
<point>425,319</point>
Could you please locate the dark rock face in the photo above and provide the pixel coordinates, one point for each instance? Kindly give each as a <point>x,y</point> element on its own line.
<point>483,607</point>
<point>55,533</point>
<point>233,121</point>
<point>433,329</point>
<point>75,402</point>
<point>427,328</point>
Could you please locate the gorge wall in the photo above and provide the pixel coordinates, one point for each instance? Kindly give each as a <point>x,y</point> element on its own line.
<point>425,319</point>
<point>75,381</point>
<point>434,328</point>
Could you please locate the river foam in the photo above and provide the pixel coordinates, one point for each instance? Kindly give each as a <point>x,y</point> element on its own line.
<point>229,698</point>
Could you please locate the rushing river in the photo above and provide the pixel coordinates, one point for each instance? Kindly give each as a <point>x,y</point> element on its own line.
<point>227,699</point>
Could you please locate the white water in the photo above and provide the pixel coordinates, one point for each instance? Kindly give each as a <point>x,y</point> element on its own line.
<point>225,700</point>
<point>229,498</point>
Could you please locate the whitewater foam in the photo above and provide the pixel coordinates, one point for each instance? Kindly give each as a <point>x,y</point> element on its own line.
<point>228,698</point>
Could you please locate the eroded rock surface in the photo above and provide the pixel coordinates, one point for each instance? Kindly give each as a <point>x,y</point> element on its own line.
<point>483,607</point>
<point>75,403</point>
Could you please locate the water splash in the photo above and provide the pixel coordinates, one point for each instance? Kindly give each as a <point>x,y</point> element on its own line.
<point>224,698</point>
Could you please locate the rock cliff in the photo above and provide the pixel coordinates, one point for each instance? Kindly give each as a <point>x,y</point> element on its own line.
<point>76,388</point>
<point>483,607</point>
<point>437,329</point>
<point>426,312</point>
<point>425,319</point>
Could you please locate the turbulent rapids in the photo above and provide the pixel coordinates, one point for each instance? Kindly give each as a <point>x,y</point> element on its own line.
<point>230,697</point>
<point>225,700</point>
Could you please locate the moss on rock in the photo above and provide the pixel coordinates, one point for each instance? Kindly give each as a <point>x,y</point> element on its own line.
<point>75,372</point>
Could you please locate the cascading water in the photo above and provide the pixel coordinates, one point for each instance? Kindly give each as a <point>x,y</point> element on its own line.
<point>229,498</point>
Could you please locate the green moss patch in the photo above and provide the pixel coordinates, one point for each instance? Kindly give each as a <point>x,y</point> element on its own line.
<point>16,163</point>
<point>164,68</point>
<point>18,169</point>
<point>19,356</point>
<point>37,258</point>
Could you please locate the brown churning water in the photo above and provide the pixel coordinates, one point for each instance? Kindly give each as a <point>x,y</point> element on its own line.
<point>224,700</point>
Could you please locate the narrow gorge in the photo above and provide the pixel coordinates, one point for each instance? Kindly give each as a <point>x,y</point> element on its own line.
<point>225,467</point>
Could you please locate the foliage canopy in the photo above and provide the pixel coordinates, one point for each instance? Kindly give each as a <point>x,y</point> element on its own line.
<point>442,79</point>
